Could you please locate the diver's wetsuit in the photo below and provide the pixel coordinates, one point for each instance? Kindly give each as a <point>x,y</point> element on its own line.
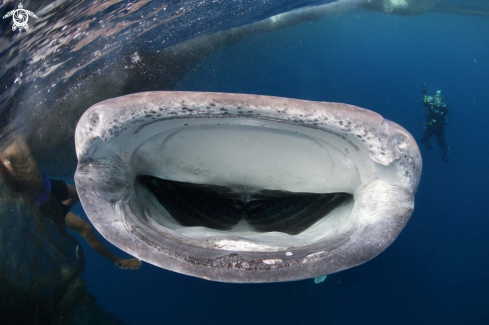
<point>50,200</point>
<point>435,124</point>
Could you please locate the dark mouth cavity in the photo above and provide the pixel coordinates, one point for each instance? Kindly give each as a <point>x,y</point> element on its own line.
<point>221,208</point>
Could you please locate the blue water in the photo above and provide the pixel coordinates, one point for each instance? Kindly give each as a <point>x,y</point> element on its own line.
<point>436,272</point>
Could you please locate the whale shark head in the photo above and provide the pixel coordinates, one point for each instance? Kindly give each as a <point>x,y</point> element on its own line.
<point>245,188</point>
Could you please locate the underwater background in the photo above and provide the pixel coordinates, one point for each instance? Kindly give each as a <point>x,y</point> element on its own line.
<point>436,271</point>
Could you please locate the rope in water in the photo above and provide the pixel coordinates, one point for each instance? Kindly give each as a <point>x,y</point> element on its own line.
<point>38,268</point>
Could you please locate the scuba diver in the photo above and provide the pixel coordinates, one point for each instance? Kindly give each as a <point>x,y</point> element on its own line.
<point>52,198</point>
<point>436,119</point>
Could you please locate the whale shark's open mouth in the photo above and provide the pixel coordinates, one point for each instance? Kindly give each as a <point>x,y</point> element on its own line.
<point>245,188</point>
<point>255,182</point>
<point>238,212</point>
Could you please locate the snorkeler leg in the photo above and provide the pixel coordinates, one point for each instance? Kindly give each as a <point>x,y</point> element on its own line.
<point>85,229</point>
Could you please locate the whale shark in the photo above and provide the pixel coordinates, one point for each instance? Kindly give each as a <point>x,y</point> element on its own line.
<point>400,7</point>
<point>245,188</point>
<point>134,71</point>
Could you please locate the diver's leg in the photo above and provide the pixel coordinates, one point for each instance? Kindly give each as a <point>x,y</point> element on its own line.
<point>428,132</point>
<point>440,136</point>
<point>85,229</point>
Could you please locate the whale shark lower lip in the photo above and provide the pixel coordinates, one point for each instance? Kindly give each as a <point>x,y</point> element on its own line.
<point>245,188</point>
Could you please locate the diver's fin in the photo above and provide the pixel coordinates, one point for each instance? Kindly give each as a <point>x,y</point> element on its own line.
<point>446,156</point>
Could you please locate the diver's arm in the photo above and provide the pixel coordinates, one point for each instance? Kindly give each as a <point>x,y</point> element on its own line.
<point>426,101</point>
<point>29,190</point>
<point>8,178</point>
<point>19,169</point>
